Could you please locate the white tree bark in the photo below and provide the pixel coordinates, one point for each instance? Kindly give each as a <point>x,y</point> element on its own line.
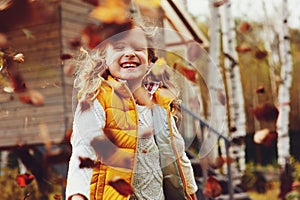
<point>237,119</point>
<point>217,109</point>
<point>283,144</point>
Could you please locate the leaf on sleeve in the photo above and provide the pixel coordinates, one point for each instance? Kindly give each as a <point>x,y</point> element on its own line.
<point>86,163</point>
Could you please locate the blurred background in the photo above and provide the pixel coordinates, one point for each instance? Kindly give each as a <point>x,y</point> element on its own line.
<point>235,64</point>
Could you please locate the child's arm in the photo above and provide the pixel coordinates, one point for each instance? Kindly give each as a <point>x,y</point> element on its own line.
<point>86,126</point>
<point>185,163</point>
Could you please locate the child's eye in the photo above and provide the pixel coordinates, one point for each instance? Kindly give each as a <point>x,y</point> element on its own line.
<point>119,47</point>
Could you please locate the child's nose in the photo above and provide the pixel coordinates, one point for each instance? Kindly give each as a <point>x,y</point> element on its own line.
<point>129,53</point>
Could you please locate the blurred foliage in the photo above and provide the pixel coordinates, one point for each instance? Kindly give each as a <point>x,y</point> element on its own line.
<point>11,190</point>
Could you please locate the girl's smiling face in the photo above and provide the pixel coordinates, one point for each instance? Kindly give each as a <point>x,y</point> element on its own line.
<point>127,57</point>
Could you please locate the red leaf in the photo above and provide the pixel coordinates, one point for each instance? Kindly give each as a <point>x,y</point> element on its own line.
<point>212,188</point>
<point>24,179</point>
<point>121,186</point>
<point>32,97</point>
<point>190,74</point>
<point>245,26</point>
<point>269,140</point>
<point>243,48</point>
<point>266,112</point>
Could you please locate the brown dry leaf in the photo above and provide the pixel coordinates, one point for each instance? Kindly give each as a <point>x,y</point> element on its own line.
<point>221,97</point>
<point>260,54</point>
<point>123,187</point>
<point>86,163</point>
<point>260,90</point>
<point>193,51</point>
<point>3,40</point>
<point>66,56</point>
<point>266,112</point>
<point>219,2</point>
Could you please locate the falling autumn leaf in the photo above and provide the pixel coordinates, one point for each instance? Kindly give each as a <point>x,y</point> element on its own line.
<point>86,163</point>
<point>190,74</point>
<point>269,140</point>
<point>19,58</point>
<point>220,161</point>
<point>24,179</point>
<point>212,188</point>
<point>244,27</point>
<point>232,129</point>
<point>58,197</point>
<point>260,54</point>
<point>221,96</point>
<point>113,11</point>
<point>5,4</point>
<point>32,97</point>
<point>123,187</point>
<point>3,40</point>
<point>259,136</point>
<point>103,147</point>
<point>193,51</point>
<point>148,3</point>
<point>260,90</point>
<point>28,34</point>
<point>219,3</point>
<point>243,48</point>
<point>266,112</point>
<point>66,56</point>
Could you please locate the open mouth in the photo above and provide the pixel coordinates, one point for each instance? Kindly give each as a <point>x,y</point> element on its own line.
<point>127,65</point>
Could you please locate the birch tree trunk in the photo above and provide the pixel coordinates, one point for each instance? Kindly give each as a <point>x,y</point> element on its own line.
<point>283,143</point>
<point>237,119</point>
<point>217,108</point>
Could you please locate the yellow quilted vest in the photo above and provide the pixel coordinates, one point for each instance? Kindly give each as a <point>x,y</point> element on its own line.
<point>121,128</point>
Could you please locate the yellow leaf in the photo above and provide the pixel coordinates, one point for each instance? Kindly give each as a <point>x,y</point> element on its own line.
<point>148,3</point>
<point>111,12</point>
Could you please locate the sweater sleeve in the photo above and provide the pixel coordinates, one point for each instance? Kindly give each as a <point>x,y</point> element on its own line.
<point>185,163</point>
<point>86,126</point>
